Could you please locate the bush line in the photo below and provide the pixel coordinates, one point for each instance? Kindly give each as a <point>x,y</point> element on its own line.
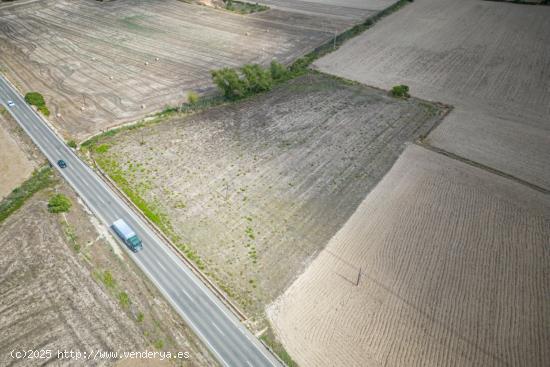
<point>40,179</point>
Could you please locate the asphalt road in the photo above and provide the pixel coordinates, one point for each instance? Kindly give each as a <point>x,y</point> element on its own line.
<point>229,341</point>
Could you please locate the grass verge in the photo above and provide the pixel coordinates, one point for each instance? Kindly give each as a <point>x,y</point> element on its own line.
<point>269,338</point>
<point>40,179</point>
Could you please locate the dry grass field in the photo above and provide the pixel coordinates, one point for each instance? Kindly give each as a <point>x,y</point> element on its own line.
<point>55,294</point>
<point>491,60</point>
<point>15,165</point>
<point>257,188</point>
<point>454,271</point>
<point>103,63</point>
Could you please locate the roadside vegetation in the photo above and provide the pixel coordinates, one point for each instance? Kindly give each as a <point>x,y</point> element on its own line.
<point>40,179</point>
<point>59,203</point>
<point>239,83</point>
<point>269,338</point>
<point>242,7</point>
<point>36,99</point>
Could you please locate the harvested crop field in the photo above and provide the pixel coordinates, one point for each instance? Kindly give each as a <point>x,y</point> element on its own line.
<point>15,166</point>
<point>257,188</point>
<point>99,64</point>
<point>443,264</point>
<point>491,60</point>
<point>61,283</point>
<point>331,12</point>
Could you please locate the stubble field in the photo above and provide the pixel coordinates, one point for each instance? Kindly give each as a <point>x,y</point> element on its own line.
<point>257,188</point>
<point>443,264</point>
<point>103,63</point>
<point>490,60</point>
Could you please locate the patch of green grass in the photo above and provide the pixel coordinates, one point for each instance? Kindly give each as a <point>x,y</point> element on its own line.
<point>191,255</point>
<point>72,144</point>
<point>70,233</point>
<point>124,299</point>
<point>59,203</point>
<point>192,97</point>
<point>250,233</point>
<point>108,280</point>
<point>269,338</point>
<point>39,180</point>
<point>103,148</point>
<point>140,317</point>
<point>158,344</point>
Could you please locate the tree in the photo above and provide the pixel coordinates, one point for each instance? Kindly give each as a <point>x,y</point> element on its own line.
<point>278,71</point>
<point>229,82</point>
<point>256,79</point>
<point>400,91</point>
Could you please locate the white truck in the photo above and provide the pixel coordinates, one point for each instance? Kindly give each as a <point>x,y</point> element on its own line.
<point>126,234</point>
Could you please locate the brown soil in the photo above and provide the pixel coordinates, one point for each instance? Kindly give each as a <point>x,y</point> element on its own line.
<point>490,60</point>
<point>443,264</point>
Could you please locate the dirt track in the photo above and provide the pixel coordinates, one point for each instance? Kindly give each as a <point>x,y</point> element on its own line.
<point>454,272</point>
<point>96,62</point>
<point>490,60</point>
<point>258,187</point>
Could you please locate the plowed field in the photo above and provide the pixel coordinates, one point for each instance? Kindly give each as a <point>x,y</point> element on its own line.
<point>102,63</point>
<point>443,264</point>
<point>491,60</point>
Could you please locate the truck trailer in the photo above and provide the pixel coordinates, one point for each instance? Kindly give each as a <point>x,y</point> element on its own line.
<point>126,234</point>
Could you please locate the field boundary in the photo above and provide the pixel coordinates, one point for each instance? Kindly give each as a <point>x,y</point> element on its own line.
<point>206,280</point>
<point>472,163</point>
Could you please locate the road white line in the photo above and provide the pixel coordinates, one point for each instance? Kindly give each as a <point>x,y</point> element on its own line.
<point>216,326</point>
<point>188,295</point>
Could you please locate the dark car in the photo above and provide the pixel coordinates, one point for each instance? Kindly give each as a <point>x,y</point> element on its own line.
<point>61,163</point>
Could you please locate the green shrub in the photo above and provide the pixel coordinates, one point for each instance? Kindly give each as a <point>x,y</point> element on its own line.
<point>192,97</point>
<point>256,79</point>
<point>35,99</point>
<point>71,143</point>
<point>400,91</point>
<point>59,203</point>
<point>40,179</point>
<point>229,83</point>
<point>44,110</point>
<point>278,71</point>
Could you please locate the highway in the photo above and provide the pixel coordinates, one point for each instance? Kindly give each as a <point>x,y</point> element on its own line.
<point>228,340</point>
